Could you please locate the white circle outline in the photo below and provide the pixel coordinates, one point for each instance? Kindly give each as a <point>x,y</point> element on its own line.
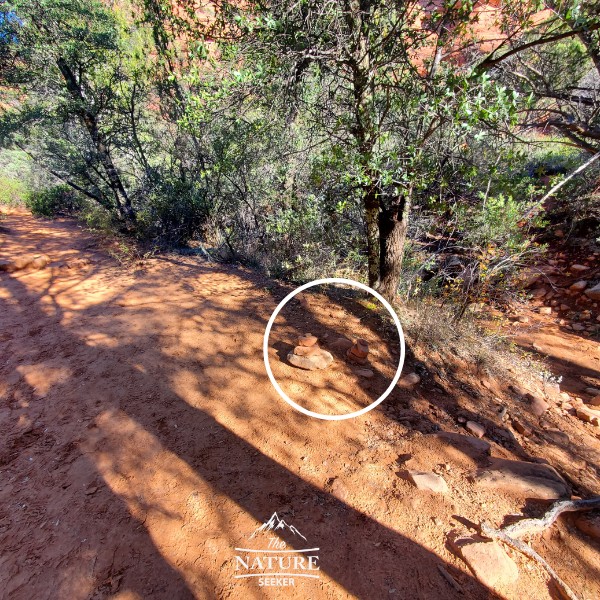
<point>317,415</point>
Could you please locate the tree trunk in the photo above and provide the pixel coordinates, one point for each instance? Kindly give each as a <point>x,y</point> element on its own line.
<point>371,203</point>
<point>91,124</point>
<point>393,226</point>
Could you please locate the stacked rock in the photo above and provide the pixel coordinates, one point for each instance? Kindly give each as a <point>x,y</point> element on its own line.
<point>308,355</point>
<point>358,353</point>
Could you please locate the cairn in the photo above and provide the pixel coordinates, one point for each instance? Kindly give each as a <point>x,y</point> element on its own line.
<point>309,355</point>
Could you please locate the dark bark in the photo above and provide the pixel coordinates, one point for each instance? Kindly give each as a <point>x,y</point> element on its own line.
<point>393,227</point>
<point>90,122</point>
<point>371,204</point>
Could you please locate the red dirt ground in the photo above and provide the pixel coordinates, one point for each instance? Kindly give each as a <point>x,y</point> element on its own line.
<point>141,442</point>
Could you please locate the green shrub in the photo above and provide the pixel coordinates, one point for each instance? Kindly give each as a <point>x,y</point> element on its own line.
<point>12,191</point>
<point>54,201</point>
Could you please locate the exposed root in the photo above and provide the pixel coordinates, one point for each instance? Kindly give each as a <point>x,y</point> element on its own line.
<point>510,534</point>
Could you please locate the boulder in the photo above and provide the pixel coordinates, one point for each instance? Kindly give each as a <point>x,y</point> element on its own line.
<point>523,479</point>
<point>430,482</point>
<point>538,293</point>
<point>594,292</point>
<point>487,559</point>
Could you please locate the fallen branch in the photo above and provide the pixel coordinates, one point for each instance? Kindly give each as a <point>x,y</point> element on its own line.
<point>510,534</point>
<point>538,205</point>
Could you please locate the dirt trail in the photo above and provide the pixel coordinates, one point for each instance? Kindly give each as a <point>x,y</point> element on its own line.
<point>142,442</point>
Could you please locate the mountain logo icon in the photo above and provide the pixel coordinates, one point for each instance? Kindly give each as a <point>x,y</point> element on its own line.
<point>275,523</point>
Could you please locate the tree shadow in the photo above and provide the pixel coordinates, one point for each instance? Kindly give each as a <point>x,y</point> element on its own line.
<point>361,555</point>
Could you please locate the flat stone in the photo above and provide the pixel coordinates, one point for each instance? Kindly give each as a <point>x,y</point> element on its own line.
<point>311,363</point>
<point>565,307</point>
<point>523,319</point>
<point>588,415</point>
<point>367,373</point>
<point>307,350</point>
<point>307,340</point>
<point>523,479</point>
<point>475,428</point>
<point>487,559</point>
<point>594,292</point>
<point>545,310</point>
<point>428,481</point>
<point>464,441</point>
<point>578,327</point>
<point>592,391</point>
<point>578,286</point>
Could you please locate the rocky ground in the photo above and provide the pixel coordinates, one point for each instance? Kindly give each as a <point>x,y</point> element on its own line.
<point>141,441</point>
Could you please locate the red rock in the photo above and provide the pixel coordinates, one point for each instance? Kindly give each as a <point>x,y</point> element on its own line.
<point>593,293</point>
<point>487,559</point>
<point>307,340</point>
<point>307,350</point>
<point>588,415</point>
<point>522,429</point>
<point>578,286</point>
<point>475,428</point>
<point>465,443</point>
<point>355,359</point>
<point>536,405</point>
<point>589,524</point>
<point>409,380</point>
<point>538,293</point>
<point>40,262</point>
<point>545,310</point>
<point>311,363</point>
<point>342,344</point>
<point>523,479</point>
<point>579,268</point>
<point>339,490</point>
<point>595,401</point>
<point>428,481</point>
